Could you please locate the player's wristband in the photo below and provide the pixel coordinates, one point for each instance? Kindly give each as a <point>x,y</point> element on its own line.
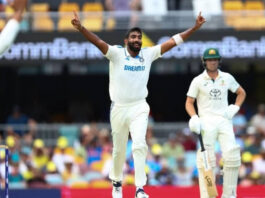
<point>178,39</point>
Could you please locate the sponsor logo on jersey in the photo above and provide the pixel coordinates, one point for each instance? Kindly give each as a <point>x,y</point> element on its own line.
<point>215,94</point>
<point>134,68</point>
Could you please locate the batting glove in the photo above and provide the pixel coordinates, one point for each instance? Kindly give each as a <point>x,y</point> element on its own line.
<point>195,124</point>
<point>231,111</point>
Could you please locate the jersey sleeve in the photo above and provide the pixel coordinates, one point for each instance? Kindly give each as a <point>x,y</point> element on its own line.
<point>8,35</point>
<point>193,89</point>
<point>155,52</point>
<point>233,84</point>
<point>112,53</point>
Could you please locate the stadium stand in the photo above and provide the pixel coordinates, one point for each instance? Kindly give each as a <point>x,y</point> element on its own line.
<point>65,15</point>
<point>52,4</point>
<point>244,15</point>
<point>89,151</point>
<point>232,6</point>
<point>41,20</point>
<point>93,16</point>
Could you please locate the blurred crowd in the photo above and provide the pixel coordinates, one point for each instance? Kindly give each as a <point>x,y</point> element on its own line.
<point>83,159</point>
<point>50,15</point>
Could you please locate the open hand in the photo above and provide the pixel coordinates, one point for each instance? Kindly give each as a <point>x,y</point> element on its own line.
<point>199,21</point>
<point>76,22</point>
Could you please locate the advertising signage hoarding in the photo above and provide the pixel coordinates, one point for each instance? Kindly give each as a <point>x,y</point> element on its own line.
<point>64,47</point>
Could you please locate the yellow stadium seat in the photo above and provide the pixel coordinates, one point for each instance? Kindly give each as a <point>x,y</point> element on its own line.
<point>233,11</point>
<point>69,7</point>
<point>254,5</point>
<point>253,18</point>
<point>9,11</point>
<point>39,7</point>
<point>93,23</point>
<point>66,15</point>
<point>2,24</point>
<point>110,23</point>
<point>64,24</point>
<point>41,19</point>
<point>254,9</point>
<point>92,7</point>
<point>100,184</point>
<point>80,184</point>
<point>43,24</point>
<point>247,23</point>
<point>93,16</point>
<point>97,166</point>
<point>232,5</point>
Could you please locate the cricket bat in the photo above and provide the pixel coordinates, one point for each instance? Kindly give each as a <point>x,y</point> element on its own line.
<point>208,175</point>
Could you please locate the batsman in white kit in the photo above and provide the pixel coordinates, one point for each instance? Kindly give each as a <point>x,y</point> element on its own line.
<point>128,76</point>
<point>214,119</point>
<point>11,29</point>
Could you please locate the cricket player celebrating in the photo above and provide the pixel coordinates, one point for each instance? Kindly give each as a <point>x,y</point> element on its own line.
<point>129,73</point>
<point>210,89</point>
<point>11,29</point>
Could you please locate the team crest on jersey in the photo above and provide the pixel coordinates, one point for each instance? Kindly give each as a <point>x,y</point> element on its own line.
<point>215,94</point>
<point>222,83</point>
<point>206,83</point>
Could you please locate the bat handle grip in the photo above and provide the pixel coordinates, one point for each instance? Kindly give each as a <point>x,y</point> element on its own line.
<point>201,142</point>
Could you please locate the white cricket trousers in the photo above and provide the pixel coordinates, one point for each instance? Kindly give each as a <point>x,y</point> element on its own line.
<point>131,118</point>
<point>217,128</point>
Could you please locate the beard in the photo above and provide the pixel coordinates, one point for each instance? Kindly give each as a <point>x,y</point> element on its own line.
<point>133,48</point>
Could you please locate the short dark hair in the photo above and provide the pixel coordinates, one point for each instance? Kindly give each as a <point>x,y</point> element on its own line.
<point>134,29</point>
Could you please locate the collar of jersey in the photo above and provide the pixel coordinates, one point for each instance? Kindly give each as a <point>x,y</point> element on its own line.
<point>129,55</point>
<point>206,76</point>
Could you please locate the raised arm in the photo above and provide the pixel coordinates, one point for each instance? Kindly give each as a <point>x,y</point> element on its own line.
<point>179,38</point>
<point>19,7</point>
<point>11,29</point>
<point>90,36</point>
